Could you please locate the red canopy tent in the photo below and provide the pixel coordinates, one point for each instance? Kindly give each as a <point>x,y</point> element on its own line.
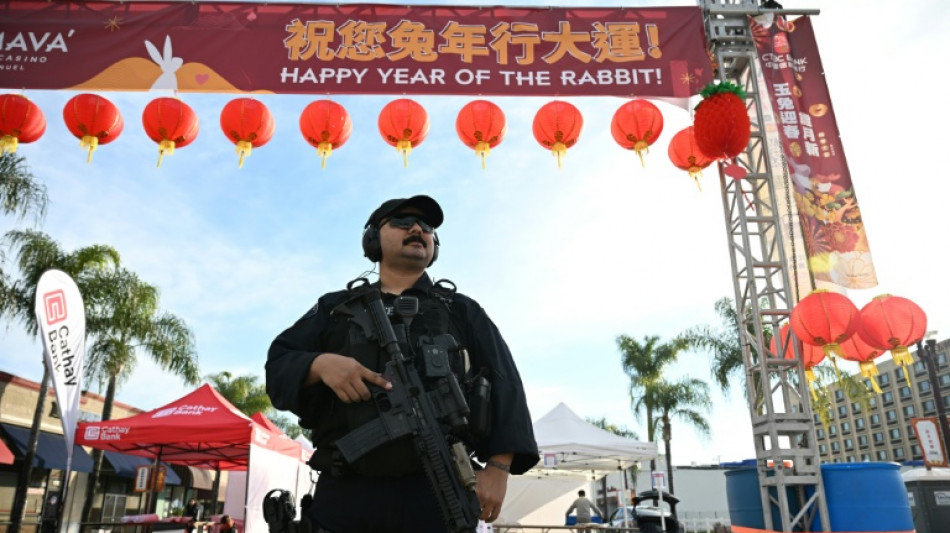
<point>199,429</point>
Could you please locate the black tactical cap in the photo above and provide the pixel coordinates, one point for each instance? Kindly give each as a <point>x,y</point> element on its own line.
<point>431,212</point>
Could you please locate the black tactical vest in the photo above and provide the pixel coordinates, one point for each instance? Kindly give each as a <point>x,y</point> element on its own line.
<point>398,457</point>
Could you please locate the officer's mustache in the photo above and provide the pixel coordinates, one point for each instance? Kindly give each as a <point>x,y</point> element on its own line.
<point>415,238</point>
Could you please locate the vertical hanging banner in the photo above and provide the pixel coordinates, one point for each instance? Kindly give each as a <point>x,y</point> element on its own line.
<point>62,320</point>
<point>352,48</point>
<point>835,238</point>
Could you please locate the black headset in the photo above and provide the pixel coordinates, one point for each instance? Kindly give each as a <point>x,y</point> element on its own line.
<point>373,250</point>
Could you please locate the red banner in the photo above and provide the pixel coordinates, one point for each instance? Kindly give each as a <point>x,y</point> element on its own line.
<point>835,239</point>
<point>352,48</point>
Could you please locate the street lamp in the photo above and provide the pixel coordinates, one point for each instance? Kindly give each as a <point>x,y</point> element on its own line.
<point>928,354</point>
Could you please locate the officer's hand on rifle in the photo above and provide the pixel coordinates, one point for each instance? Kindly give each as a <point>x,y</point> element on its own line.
<point>345,376</point>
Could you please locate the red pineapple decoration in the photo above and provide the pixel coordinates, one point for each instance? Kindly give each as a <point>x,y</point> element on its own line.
<point>722,121</point>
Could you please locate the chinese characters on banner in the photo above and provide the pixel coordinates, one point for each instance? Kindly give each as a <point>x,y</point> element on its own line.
<point>352,48</point>
<point>835,239</point>
<point>928,435</point>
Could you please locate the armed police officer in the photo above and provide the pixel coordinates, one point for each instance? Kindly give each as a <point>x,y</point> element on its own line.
<point>325,369</point>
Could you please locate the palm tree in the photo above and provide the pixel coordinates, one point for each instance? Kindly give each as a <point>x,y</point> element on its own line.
<point>20,193</point>
<point>124,318</point>
<point>644,364</point>
<point>35,253</point>
<point>244,392</point>
<point>687,400</point>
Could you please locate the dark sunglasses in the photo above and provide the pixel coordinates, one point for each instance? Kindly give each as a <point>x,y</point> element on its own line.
<point>407,221</point>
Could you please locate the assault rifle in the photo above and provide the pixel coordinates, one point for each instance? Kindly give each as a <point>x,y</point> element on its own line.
<point>425,402</point>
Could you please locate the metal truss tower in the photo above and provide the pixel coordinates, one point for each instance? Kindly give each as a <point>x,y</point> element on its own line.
<point>777,393</point>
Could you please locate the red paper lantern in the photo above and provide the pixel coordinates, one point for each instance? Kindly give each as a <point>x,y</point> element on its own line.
<point>248,124</point>
<point>636,125</point>
<point>557,125</point>
<point>893,323</point>
<point>855,349</point>
<point>722,121</point>
<point>481,125</point>
<point>21,121</point>
<point>326,125</point>
<point>825,319</point>
<point>404,124</point>
<point>171,123</point>
<point>93,120</point>
<point>811,355</point>
<point>685,154</point>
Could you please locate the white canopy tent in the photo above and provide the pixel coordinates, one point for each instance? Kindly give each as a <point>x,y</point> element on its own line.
<point>573,453</point>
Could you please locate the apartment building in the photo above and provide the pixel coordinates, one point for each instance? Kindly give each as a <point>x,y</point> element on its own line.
<point>884,432</point>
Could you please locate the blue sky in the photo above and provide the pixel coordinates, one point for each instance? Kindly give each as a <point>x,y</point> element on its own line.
<point>563,260</point>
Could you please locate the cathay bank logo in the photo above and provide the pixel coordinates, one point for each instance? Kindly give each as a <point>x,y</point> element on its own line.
<point>92,433</point>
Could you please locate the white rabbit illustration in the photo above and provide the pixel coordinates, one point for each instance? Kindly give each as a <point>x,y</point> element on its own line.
<point>169,64</point>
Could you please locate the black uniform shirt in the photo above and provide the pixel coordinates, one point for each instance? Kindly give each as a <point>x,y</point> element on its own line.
<point>292,352</point>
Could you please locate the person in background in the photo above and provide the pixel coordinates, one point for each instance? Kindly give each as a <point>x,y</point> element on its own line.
<point>321,369</point>
<point>227,525</point>
<point>192,512</point>
<point>583,506</point>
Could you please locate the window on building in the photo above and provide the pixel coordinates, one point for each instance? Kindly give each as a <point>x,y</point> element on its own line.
<point>890,415</point>
<point>817,418</point>
<point>929,407</point>
<point>833,430</point>
<point>835,447</point>
<point>839,395</point>
<point>842,411</point>
<point>866,457</point>
<point>822,449</point>
<point>846,427</point>
<point>905,392</point>
<point>899,372</point>
<point>915,452</point>
<point>848,444</point>
<point>942,359</point>
<point>881,455</point>
<point>855,407</point>
<point>875,420</point>
<point>820,433</point>
<point>944,381</point>
<point>946,401</point>
<point>859,423</point>
<point>872,401</point>
<point>909,411</point>
<point>898,453</point>
<point>851,459</point>
<point>863,441</point>
<point>879,437</point>
<point>924,387</point>
<point>888,398</point>
<point>837,460</point>
<point>895,434</point>
<point>884,379</point>
<point>911,434</point>
<point>919,367</point>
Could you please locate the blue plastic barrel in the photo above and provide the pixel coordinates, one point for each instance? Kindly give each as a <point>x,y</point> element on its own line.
<point>745,500</point>
<point>865,497</point>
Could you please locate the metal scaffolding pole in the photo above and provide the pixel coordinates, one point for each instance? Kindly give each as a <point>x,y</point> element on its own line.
<point>777,392</point>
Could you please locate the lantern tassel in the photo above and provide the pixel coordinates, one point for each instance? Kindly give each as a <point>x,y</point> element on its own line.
<point>810,379</point>
<point>559,149</point>
<point>405,148</point>
<point>482,149</point>
<point>696,173</point>
<point>89,142</point>
<point>324,150</point>
<point>242,149</point>
<point>833,350</point>
<point>642,148</point>
<point>8,143</point>
<point>869,370</point>
<point>165,147</point>
<point>902,356</point>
